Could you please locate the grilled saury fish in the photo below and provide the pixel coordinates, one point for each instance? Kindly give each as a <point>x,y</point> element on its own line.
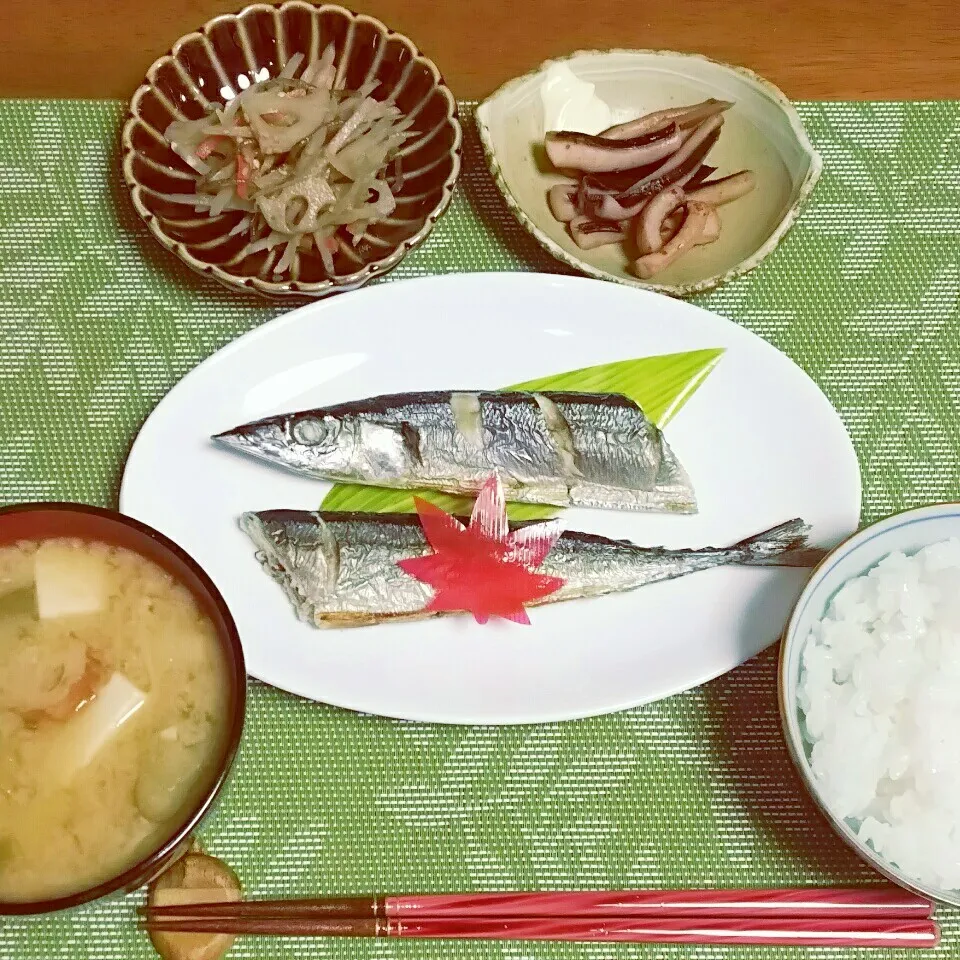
<point>586,449</point>
<point>340,569</point>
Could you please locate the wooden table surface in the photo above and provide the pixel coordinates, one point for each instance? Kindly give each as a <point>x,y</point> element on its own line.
<point>812,49</point>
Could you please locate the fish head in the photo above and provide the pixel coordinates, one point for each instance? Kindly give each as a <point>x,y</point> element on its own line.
<point>340,445</point>
<point>315,442</point>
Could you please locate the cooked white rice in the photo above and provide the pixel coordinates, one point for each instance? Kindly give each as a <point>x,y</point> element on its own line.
<point>880,696</point>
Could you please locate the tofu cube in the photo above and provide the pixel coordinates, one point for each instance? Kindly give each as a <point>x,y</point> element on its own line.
<point>68,581</point>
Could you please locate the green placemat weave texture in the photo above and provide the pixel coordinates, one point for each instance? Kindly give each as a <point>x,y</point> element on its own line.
<point>98,323</point>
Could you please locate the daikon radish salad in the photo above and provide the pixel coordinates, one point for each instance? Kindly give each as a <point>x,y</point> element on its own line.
<point>310,165</point>
<point>114,704</point>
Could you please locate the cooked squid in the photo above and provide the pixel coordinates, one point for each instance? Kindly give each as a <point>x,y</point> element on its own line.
<point>580,151</point>
<point>646,184</point>
<point>698,228</point>
<point>588,234</point>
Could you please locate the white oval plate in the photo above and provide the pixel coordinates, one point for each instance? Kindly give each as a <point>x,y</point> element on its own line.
<point>760,441</point>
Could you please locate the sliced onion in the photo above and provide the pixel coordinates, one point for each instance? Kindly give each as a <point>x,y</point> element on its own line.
<point>202,201</point>
<point>224,173</point>
<point>321,73</point>
<point>361,115</point>
<point>192,160</point>
<point>235,132</point>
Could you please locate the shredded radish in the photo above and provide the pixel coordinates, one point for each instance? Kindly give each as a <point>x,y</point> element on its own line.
<point>220,202</point>
<point>224,173</point>
<point>229,112</point>
<point>311,166</point>
<point>242,226</point>
<point>293,65</point>
<point>286,261</point>
<point>327,247</point>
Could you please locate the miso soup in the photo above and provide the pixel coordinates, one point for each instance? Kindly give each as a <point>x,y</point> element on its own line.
<point>114,700</point>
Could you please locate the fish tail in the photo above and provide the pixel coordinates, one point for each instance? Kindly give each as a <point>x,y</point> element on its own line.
<point>784,545</point>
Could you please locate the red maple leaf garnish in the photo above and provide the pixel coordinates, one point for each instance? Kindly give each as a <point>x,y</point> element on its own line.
<point>483,568</point>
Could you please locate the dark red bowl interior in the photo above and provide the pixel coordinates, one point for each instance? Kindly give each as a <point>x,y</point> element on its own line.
<point>44,521</point>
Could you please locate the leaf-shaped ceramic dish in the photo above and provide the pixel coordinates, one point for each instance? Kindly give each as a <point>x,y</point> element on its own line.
<point>227,55</point>
<point>762,132</point>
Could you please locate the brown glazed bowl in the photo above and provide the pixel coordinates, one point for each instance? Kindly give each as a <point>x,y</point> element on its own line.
<point>228,54</point>
<point>43,521</point>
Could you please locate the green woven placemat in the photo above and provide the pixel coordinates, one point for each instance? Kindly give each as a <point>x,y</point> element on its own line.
<point>98,323</point>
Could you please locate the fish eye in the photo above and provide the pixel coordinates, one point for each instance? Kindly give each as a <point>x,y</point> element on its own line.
<point>313,431</point>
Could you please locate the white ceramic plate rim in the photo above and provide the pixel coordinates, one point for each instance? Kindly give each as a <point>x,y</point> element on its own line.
<point>139,491</point>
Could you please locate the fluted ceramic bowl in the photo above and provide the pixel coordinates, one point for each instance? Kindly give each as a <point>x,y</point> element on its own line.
<point>762,132</point>
<point>230,53</point>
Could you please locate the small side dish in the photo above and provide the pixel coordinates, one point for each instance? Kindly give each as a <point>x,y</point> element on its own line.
<point>313,148</point>
<point>646,184</point>
<point>878,695</point>
<point>606,94</point>
<point>868,678</point>
<point>114,713</point>
<point>308,163</point>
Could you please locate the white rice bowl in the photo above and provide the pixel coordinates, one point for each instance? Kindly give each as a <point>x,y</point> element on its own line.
<point>879,699</point>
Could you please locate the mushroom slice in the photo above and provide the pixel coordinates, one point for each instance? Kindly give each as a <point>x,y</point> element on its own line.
<point>725,189</point>
<point>600,155</point>
<point>589,234</point>
<point>562,200</point>
<point>196,878</point>
<point>694,231</point>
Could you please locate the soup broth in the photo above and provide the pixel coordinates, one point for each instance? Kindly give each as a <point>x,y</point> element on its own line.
<point>114,700</point>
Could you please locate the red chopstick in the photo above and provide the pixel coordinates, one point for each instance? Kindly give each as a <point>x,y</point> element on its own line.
<point>865,903</point>
<point>888,902</point>
<point>881,916</point>
<point>756,932</point>
<point>769,931</point>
